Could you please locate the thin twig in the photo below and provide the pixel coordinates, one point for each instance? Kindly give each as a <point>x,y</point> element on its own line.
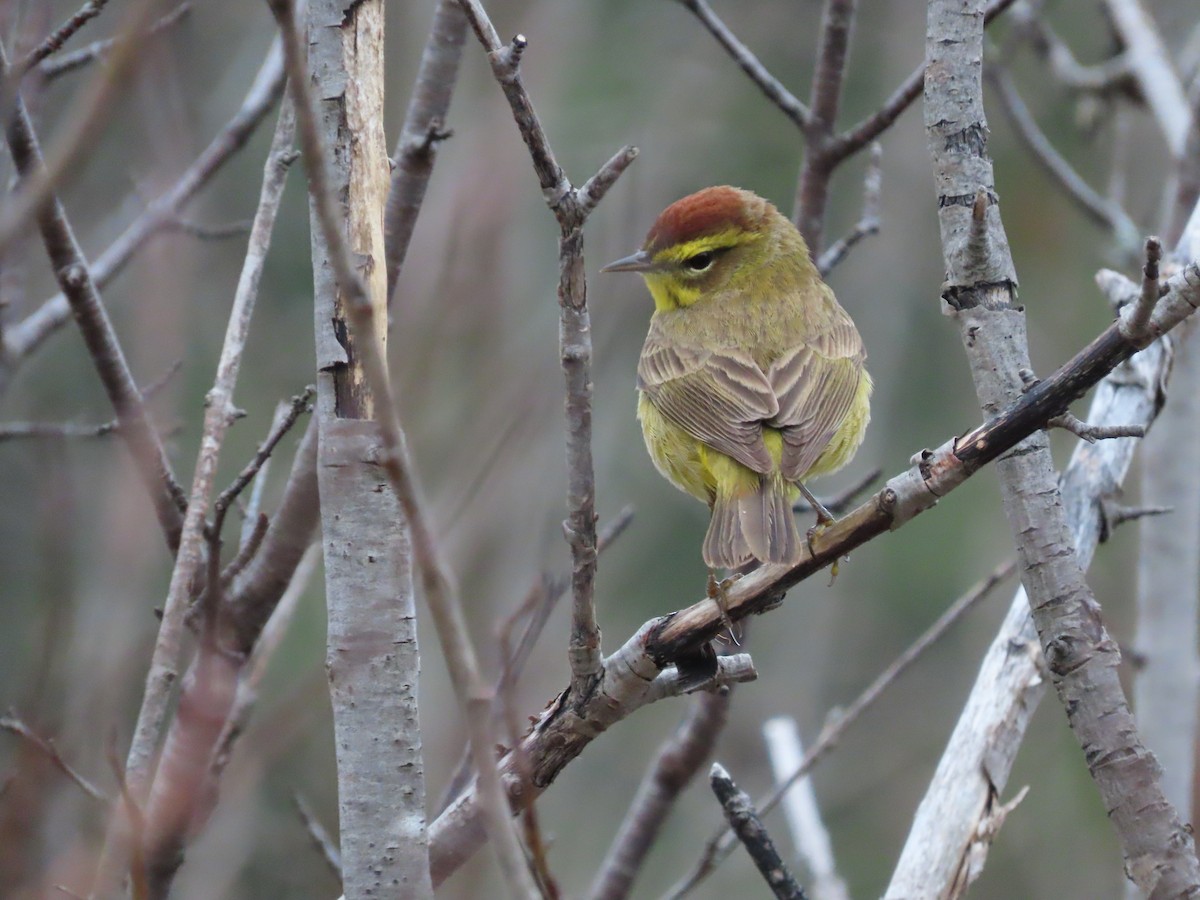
<point>570,207</point>
<point>539,603</point>
<point>440,595</point>
<point>69,62</point>
<point>320,838</point>
<point>207,232</point>
<point>868,221</point>
<point>424,129</point>
<point>787,102</point>
<point>1101,210</point>
<point>744,820</point>
<point>844,499</point>
<point>300,404</point>
<point>535,844</point>
<point>189,563</point>
<point>855,138</point>
<point>1092,433</point>
<point>1106,77</point>
<point>839,721</point>
<point>1138,321</point>
<point>23,338</point>
<point>60,35</point>
<point>1150,63</point>
<point>83,297</point>
<point>812,188</point>
<point>83,121</point>
<point>10,431</point>
<point>47,748</point>
<point>248,545</point>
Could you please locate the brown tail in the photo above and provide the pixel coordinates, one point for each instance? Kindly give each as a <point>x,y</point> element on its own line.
<point>757,525</point>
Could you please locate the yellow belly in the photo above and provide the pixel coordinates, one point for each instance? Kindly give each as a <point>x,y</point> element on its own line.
<point>695,468</point>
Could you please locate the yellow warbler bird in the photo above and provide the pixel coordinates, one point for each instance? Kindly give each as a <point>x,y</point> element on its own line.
<point>751,380</point>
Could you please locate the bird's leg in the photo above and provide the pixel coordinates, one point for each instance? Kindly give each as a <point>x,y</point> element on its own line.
<point>824,520</point>
<point>824,516</point>
<point>716,593</point>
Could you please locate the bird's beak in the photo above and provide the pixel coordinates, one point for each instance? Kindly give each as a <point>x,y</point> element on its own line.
<point>635,262</point>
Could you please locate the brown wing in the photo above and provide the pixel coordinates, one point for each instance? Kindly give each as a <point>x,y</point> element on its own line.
<point>815,384</point>
<point>719,397</point>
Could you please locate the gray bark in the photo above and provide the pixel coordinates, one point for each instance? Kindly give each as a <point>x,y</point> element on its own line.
<point>372,649</point>
<point>1081,657</point>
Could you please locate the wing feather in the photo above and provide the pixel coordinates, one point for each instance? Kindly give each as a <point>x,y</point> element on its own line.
<point>720,397</point>
<point>815,384</point>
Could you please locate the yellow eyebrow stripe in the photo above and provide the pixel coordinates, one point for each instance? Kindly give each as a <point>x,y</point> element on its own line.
<point>721,240</point>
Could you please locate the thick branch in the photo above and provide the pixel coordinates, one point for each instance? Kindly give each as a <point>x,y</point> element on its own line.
<point>1080,656</point>
<point>440,596</point>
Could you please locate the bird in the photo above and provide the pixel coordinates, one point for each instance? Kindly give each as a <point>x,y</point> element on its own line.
<point>752,378</point>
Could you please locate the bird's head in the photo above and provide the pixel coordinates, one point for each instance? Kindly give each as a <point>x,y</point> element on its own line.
<point>709,241</point>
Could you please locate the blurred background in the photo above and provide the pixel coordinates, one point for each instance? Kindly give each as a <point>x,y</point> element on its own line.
<point>475,361</point>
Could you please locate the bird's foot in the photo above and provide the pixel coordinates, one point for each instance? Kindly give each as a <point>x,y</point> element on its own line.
<point>716,592</point>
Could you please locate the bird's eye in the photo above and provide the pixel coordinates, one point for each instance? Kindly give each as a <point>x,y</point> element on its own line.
<point>700,262</point>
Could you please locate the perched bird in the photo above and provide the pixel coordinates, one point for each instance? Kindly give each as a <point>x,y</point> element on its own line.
<point>751,379</point>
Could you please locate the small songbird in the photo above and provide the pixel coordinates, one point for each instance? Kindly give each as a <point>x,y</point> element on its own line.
<point>751,379</point>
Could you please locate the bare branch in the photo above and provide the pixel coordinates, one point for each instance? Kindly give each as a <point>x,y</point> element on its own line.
<point>320,838</point>
<point>439,592</point>
<point>23,338</point>
<point>809,835</point>
<point>256,667</point>
<point>1101,210</point>
<point>1151,65</point>
<point>1080,656</point>
<point>47,748</point>
<point>743,818</point>
<point>868,221</point>
<point>1137,322</point>
<point>50,69</point>
<point>570,207</point>
<point>1106,77</point>
<point>1093,433</point>
<point>83,298</point>
<point>174,790</point>
<point>54,41</point>
<point>678,760</point>
<point>423,131</point>
<point>854,139</point>
<point>842,501</point>
<point>721,844</point>
<point>790,105</point>
<point>83,121</point>
<point>300,404</point>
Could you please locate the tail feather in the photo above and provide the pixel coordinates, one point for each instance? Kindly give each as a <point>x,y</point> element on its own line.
<point>752,525</point>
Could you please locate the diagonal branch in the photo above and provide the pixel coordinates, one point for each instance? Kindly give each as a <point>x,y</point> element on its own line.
<point>630,674</point>
<point>23,338</point>
<point>83,298</point>
<point>1081,657</point>
<point>789,104</point>
<point>1099,209</point>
